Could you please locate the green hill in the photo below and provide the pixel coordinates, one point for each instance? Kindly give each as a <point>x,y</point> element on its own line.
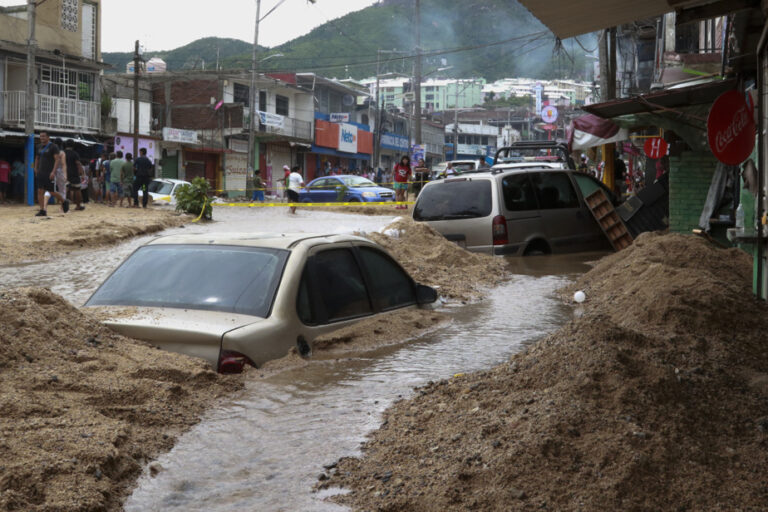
<point>194,55</point>
<point>488,38</point>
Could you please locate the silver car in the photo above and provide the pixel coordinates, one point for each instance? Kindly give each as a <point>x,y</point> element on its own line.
<point>236,299</point>
<point>526,209</point>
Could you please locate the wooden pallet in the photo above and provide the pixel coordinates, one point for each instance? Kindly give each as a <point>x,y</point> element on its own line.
<point>608,220</point>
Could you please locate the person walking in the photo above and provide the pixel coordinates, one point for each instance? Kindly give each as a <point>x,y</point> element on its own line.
<point>295,183</point>
<point>75,173</point>
<point>115,177</point>
<point>402,172</point>
<point>258,187</point>
<point>48,157</point>
<point>126,180</point>
<point>144,172</point>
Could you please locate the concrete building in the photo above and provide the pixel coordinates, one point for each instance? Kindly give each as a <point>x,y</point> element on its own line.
<point>436,94</point>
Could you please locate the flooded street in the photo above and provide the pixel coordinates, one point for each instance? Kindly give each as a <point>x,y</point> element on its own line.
<point>264,448</point>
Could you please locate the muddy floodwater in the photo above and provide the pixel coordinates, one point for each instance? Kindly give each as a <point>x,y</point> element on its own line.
<point>264,448</point>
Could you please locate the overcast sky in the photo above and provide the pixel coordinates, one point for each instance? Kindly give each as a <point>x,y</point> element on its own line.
<point>168,24</point>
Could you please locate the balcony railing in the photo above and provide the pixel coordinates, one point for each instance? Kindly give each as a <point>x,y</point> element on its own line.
<point>294,128</point>
<point>52,112</point>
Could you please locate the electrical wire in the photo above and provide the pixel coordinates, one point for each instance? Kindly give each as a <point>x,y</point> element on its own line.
<point>575,38</point>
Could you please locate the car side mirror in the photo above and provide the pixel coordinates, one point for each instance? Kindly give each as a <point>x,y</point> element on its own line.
<point>425,294</point>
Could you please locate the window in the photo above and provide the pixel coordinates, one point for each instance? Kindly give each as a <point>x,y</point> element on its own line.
<point>518,193</point>
<point>430,97</point>
<point>455,199</point>
<point>332,289</point>
<point>463,139</point>
<point>391,287</point>
<point>322,184</point>
<point>554,190</point>
<point>281,105</point>
<point>90,30</point>
<point>484,140</point>
<point>263,101</point>
<point>226,278</point>
<point>66,83</point>
<point>69,15</point>
<point>242,94</point>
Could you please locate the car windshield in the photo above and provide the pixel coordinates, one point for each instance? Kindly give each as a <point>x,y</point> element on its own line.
<point>160,187</point>
<point>454,199</point>
<point>358,181</point>
<point>205,277</point>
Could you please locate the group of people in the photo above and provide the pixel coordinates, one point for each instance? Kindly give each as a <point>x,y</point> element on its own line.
<point>404,174</point>
<point>112,179</point>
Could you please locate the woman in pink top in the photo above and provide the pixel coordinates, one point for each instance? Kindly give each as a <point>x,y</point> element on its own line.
<point>402,172</point>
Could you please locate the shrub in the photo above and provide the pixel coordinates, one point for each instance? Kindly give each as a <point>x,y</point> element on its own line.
<point>193,198</point>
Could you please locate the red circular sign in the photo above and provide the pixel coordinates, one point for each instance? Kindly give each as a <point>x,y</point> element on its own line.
<point>655,148</point>
<point>731,128</point>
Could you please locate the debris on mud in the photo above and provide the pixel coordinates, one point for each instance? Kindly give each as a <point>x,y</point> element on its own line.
<point>654,398</point>
<point>82,408</point>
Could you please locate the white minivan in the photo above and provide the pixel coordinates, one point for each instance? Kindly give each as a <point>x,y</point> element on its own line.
<point>528,209</point>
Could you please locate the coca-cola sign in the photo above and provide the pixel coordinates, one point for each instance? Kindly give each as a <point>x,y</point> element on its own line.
<point>731,128</point>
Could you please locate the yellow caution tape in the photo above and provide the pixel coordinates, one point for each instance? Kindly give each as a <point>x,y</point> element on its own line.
<point>311,205</point>
<point>202,211</point>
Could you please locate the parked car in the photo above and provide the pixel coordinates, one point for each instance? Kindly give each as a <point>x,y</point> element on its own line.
<point>345,188</point>
<point>459,166</point>
<point>163,190</point>
<point>553,154</point>
<point>236,299</point>
<point>531,209</point>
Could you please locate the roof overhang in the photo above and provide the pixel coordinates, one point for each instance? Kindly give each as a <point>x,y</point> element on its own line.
<point>575,17</point>
<point>668,99</point>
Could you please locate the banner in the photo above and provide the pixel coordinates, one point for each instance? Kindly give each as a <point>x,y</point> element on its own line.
<point>125,144</point>
<point>268,119</point>
<point>176,135</point>
<point>347,138</point>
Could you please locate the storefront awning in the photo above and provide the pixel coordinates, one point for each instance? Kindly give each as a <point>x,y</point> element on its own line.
<point>575,17</point>
<point>666,100</point>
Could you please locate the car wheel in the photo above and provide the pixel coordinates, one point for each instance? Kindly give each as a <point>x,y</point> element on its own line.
<point>354,200</point>
<point>537,248</point>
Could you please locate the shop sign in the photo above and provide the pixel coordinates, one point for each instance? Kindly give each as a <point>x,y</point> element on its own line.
<point>268,119</point>
<point>549,114</point>
<point>236,165</point>
<point>417,153</point>
<point>394,141</point>
<point>340,117</point>
<point>731,128</point>
<point>655,148</point>
<point>183,136</point>
<point>347,138</point>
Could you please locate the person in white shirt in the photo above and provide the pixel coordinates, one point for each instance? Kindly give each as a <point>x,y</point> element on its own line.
<point>294,185</point>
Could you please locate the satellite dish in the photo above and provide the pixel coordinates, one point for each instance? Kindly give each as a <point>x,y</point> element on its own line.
<point>348,100</point>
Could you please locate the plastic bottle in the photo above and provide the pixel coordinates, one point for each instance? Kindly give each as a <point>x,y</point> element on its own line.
<point>740,219</point>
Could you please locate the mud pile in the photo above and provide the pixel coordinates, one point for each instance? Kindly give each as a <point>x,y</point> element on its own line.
<point>24,237</point>
<point>656,398</point>
<point>82,408</point>
<point>433,260</point>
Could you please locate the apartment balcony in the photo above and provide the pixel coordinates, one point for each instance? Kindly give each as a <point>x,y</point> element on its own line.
<point>51,112</point>
<point>291,128</point>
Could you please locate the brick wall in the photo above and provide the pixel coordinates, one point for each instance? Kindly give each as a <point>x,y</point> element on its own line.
<point>690,175</point>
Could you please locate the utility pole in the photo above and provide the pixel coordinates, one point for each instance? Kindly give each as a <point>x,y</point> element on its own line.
<point>29,107</point>
<point>607,56</point>
<point>252,102</point>
<point>136,62</point>
<point>417,77</point>
<point>377,126</point>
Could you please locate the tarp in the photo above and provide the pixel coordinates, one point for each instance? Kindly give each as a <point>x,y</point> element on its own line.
<point>588,131</point>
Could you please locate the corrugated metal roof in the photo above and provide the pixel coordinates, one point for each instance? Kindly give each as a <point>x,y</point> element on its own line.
<point>568,18</point>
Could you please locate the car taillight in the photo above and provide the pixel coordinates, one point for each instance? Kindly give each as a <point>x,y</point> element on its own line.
<point>500,230</point>
<point>232,362</point>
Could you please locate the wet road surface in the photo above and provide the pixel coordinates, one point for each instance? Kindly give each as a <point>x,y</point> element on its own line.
<point>264,448</point>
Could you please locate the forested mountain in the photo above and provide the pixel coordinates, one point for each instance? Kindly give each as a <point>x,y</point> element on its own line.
<point>195,55</point>
<point>481,38</point>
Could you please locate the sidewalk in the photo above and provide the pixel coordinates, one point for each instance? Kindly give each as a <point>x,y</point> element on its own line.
<point>24,237</point>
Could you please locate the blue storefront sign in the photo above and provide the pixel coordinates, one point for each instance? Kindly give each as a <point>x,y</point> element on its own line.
<point>394,142</point>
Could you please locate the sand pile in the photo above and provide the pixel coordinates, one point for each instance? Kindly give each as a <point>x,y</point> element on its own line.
<point>433,260</point>
<point>655,399</point>
<point>82,408</point>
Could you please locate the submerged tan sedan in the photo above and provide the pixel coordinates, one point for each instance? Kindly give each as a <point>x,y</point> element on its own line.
<point>237,299</point>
